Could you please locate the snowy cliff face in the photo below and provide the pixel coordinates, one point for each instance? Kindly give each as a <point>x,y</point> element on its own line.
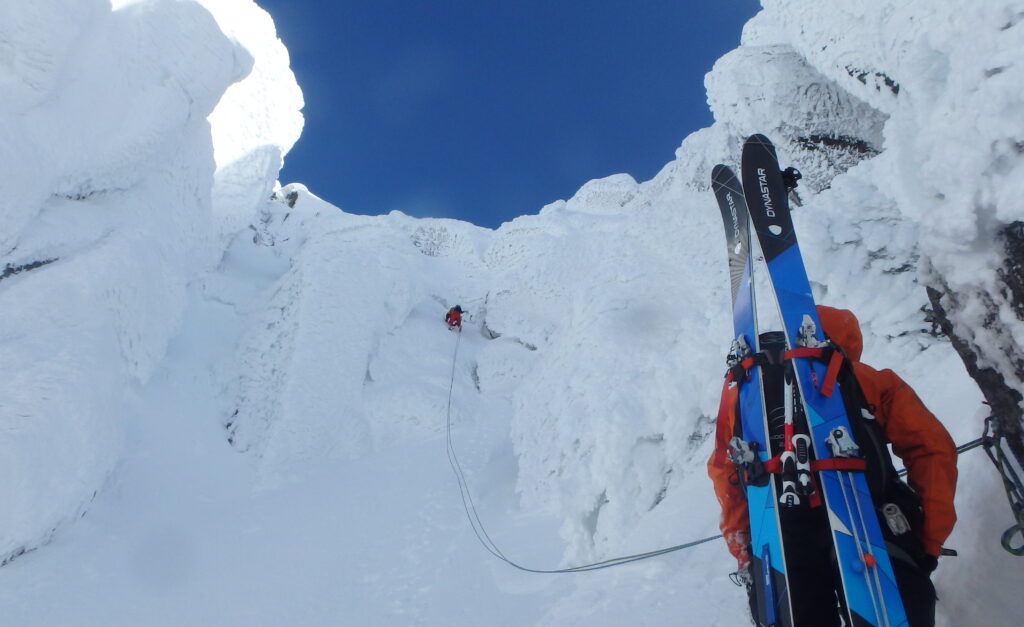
<point>113,205</point>
<point>937,91</point>
<point>257,120</point>
<point>604,317</point>
<point>596,327</point>
<point>942,85</point>
<point>145,140</point>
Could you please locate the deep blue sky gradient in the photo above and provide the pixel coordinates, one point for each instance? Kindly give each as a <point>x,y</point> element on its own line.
<point>485,110</point>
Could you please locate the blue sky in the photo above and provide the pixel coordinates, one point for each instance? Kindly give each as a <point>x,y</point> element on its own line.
<point>485,110</point>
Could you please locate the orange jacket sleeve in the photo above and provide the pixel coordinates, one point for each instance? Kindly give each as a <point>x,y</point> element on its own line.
<point>924,445</point>
<point>734,523</point>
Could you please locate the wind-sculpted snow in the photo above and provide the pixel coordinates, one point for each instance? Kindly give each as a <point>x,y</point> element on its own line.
<point>257,120</point>
<point>448,238</point>
<point>142,145</point>
<point>822,128</point>
<point>934,208</point>
<point>109,161</point>
<point>309,354</point>
<point>606,413</point>
<point>597,351</point>
<point>947,77</point>
<point>332,364</point>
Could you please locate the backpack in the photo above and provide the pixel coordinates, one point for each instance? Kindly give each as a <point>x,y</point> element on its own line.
<point>897,506</point>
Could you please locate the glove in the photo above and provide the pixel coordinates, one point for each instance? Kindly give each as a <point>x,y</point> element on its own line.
<point>928,563</point>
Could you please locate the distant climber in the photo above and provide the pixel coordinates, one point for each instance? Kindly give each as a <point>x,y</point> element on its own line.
<point>454,318</point>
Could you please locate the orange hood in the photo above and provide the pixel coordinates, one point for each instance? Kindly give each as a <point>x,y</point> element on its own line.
<point>842,327</point>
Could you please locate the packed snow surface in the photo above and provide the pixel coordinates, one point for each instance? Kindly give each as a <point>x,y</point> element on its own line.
<point>227,402</point>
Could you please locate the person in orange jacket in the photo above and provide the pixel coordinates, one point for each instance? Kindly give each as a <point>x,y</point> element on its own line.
<point>929,455</point>
<point>454,318</point>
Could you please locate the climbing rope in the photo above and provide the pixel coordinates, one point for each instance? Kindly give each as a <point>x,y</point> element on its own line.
<point>1011,482</point>
<point>481,532</point>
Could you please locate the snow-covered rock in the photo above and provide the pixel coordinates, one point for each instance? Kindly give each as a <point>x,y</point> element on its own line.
<point>109,215</point>
<point>143,140</point>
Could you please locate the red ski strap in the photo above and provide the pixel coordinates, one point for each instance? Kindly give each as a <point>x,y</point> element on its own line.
<point>835,360</point>
<point>848,464</point>
<point>845,464</point>
<point>803,352</point>
<point>833,463</point>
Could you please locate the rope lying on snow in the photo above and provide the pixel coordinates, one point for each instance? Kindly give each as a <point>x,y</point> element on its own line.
<point>481,533</point>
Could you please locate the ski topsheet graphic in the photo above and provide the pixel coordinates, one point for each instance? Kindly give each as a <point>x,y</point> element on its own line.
<point>768,566</point>
<point>868,586</point>
<point>791,410</point>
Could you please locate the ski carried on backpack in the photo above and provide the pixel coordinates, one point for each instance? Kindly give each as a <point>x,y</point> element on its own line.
<point>768,564</point>
<point>870,595</point>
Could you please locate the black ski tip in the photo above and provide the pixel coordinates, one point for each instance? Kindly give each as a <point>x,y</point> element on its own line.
<point>758,142</point>
<point>724,177</point>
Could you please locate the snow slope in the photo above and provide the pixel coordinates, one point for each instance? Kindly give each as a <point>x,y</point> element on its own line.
<point>226,402</point>
<point>110,216</point>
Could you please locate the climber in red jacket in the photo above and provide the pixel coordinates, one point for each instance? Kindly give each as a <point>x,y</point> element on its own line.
<point>454,318</point>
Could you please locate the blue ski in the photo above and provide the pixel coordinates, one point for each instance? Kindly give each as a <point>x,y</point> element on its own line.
<point>768,565</point>
<point>871,595</point>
